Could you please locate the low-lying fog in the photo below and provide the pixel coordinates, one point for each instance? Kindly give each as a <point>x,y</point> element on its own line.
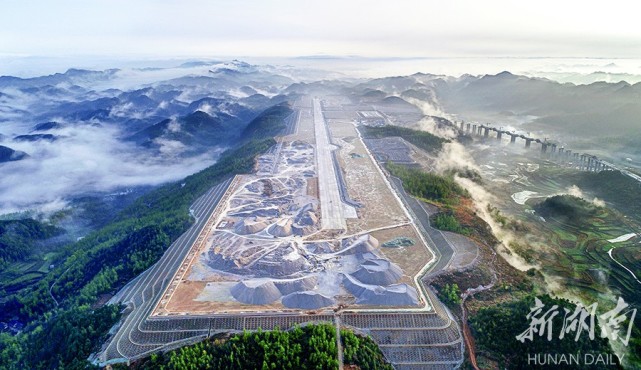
<point>86,159</point>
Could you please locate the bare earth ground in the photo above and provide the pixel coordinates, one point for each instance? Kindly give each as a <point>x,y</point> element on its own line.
<point>381,215</point>
<point>412,258</point>
<point>364,182</point>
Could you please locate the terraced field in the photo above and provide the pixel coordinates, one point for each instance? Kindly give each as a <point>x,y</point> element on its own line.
<point>583,259</point>
<point>574,252</point>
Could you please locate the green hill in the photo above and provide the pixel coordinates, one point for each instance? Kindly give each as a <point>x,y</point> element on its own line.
<point>18,237</point>
<point>421,139</point>
<point>571,209</point>
<point>269,123</point>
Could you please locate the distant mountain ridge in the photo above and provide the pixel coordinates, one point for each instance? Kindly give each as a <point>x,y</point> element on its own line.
<point>8,155</point>
<point>72,75</point>
<point>596,108</point>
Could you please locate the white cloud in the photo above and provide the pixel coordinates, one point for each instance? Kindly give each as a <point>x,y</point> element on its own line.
<point>87,159</point>
<point>174,125</point>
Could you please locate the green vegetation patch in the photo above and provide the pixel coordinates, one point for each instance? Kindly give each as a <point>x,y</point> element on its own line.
<point>613,187</point>
<point>309,347</point>
<point>450,294</point>
<point>269,123</point>
<point>17,238</point>
<point>362,352</point>
<point>104,260</point>
<point>430,186</point>
<point>495,329</point>
<point>401,241</point>
<point>572,209</point>
<point>447,222</point>
<point>421,139</point>
<point>64,342</point>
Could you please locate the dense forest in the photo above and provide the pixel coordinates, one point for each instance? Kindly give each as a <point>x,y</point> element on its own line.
<point>572,209</point>
<point>613,187</point>
<point>496,329</point>
<point>421,139</point>
<point>17,238</point>
<point>447,222</point>
<point>62,341</point>
<point>104,260</point>
<point>269,123</point>
<point>429,186</point>
<point>362,352</point>
<point>307,347</point>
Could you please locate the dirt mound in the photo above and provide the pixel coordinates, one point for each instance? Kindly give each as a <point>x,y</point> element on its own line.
<point>378,272</point>
<point>282,228</point>
<point>363,244</point>
<point>299,285</point>
<point>376,295</point>
<point>307,300</point>
<point>250,226</point>
<point>255,292</point>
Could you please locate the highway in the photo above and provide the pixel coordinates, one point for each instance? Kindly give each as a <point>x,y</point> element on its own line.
<point>142,293</point>
<point>437,238</point>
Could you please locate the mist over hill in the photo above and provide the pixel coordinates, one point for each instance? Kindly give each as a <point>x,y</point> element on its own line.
<point>563,106</point>
<point>88,132</point>
<point>110,130</point>
<point>90,155</point>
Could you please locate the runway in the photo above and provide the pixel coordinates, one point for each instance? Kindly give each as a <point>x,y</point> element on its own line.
<point>409,339</point>
<point>332,213</point>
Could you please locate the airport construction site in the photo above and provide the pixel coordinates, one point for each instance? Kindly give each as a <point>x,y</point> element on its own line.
<point>318,233</point>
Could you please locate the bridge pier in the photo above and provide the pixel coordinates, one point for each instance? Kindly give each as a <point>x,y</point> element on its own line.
<point>561,155</point>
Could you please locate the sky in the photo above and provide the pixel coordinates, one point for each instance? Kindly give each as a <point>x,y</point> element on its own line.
<point>286,28</point>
